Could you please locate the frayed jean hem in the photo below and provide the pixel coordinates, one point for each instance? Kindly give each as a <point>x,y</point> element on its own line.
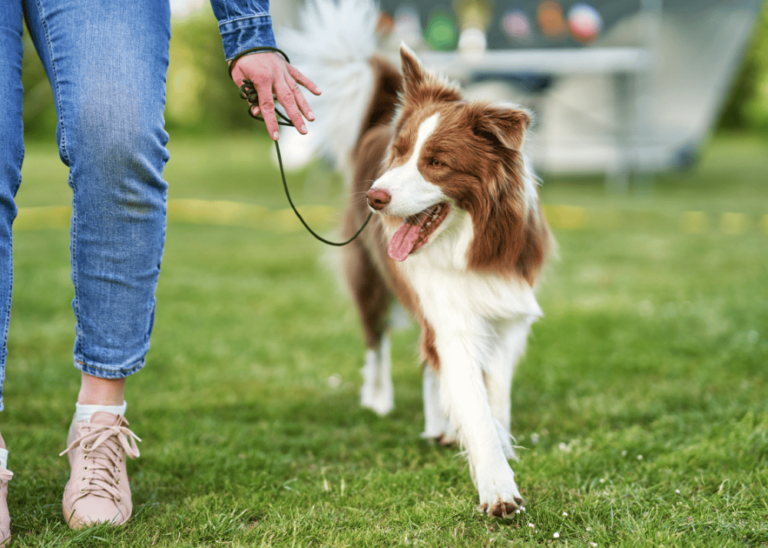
<point>109,372</point>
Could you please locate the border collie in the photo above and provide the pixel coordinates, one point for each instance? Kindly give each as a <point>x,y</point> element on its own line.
<point>458,236</point>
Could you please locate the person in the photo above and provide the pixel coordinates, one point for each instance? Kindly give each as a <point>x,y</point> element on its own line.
<point>106,61</point>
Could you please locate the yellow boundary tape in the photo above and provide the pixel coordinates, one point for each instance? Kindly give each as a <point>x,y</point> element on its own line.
<point>225,213</point>
<point>196,212</point>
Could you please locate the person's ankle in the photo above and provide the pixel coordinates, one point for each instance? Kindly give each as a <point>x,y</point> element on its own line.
<point>97,391</point>
<point>91,400</point>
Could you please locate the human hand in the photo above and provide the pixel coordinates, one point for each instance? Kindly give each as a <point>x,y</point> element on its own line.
<point>271,74</point>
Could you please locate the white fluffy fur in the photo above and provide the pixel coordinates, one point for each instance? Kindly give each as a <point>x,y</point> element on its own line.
<point>332,48</point>
<point>436,423</point>
<point>481,321</point>
<point>435,420</point>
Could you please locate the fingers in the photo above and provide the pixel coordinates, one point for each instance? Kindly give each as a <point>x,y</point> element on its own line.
<point>286,97</point>
<point>303,80</point>
<point>299,97</point>
<point>267,107</point>
<point>271,74</point>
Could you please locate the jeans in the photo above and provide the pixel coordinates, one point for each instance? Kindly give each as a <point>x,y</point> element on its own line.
<point>106,61</point>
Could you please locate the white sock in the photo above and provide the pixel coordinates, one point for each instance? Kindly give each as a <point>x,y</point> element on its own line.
<point>85,412</point>
<point>4,458</point>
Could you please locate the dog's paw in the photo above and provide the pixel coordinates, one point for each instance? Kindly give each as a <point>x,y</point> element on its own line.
<point>379,400</point>
<point>448,439</point>
<point>501,509</point>
<point>499,495</point>
<point>444,435</point>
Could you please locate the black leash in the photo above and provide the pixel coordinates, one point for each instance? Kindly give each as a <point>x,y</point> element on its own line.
<point>248,92</point>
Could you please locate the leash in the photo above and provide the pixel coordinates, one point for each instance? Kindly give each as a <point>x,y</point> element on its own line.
<point>248,92</point>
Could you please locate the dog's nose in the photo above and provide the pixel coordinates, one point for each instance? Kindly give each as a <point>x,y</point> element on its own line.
<point>378,198</point>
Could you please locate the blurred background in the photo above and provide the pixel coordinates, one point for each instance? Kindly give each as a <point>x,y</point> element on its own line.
<point>618,86</point>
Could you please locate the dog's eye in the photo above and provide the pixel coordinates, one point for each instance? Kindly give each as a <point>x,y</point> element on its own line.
<point>435,162</point>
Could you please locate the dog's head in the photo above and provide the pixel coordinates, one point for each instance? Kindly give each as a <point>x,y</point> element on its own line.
<point>448,153</point>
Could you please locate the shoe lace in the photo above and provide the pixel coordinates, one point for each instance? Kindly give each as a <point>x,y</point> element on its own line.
<point>104,447</point>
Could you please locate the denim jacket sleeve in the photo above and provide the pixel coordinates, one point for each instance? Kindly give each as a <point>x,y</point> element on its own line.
<point>243,24</point>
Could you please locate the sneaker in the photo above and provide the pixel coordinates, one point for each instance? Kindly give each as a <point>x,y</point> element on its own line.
<point>98,490</point>
<point>5,518</point>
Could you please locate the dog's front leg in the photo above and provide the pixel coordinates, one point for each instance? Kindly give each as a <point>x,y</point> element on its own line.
<point>377,392</point>
<point>436,425</point>
<point>509,348</point>
<point>465,400</point>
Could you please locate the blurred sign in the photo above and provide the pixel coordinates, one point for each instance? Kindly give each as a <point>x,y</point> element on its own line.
<point>511,23</point>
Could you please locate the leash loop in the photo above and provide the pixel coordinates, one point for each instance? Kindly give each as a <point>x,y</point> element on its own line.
<point>248,93</point>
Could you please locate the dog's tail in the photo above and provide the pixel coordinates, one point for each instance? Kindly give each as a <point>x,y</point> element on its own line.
<point>335,47</point>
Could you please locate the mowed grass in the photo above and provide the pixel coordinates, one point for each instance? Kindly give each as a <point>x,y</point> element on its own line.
<point>641,409</point>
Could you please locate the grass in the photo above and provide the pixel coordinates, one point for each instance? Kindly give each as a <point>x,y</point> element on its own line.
<point>640,408</point>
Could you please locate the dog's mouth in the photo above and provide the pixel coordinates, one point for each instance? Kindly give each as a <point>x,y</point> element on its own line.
<point>416,230</point>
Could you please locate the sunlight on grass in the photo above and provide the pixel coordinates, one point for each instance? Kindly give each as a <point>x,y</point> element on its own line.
<point>640,408</point>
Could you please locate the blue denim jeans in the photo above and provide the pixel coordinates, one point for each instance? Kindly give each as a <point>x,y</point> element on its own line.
<point>106,61</point>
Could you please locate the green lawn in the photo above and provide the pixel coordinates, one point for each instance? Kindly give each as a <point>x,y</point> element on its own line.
<point>641,408</point>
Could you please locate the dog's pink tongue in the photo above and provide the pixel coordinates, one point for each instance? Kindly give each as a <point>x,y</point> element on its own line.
<point>403,241</point>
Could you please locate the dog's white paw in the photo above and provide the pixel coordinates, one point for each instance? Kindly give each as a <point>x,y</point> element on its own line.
<point>499,495</point>
<point>379,398</point>
<point>448,439</point>
<point>444,436</point>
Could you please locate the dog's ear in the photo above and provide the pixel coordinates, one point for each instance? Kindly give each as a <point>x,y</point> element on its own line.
<point>420,85</point>
<point>510,233</point>
<point>413,74</point>
<point>507,238</point>
<point>505,124</point>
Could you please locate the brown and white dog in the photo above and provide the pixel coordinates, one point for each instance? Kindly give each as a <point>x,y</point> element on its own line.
<point>458,235</point>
